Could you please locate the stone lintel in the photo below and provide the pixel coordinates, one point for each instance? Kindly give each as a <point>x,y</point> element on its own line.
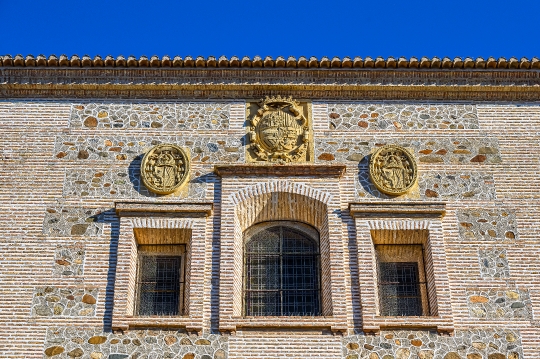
<point>292,170</point>
<point>389,209</point>
<point>150,209</point>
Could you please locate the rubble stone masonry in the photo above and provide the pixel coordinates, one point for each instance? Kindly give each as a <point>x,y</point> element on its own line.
<point>66,162</point>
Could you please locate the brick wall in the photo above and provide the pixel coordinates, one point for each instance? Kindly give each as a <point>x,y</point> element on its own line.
<point>61,174</point>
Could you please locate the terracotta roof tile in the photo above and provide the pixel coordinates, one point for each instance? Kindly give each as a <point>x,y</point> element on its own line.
<point>269,62</point>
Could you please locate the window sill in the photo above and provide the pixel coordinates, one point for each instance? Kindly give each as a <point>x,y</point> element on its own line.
<point>135,322</point>
<point>335,324</point>
<point>441,324</point>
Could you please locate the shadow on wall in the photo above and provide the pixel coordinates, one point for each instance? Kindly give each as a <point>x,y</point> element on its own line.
<point>109,217</point>
<point>352,246</point>
<point>365,182</point>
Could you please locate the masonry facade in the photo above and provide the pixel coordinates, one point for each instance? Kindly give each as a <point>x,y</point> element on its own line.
<point>77,217</point>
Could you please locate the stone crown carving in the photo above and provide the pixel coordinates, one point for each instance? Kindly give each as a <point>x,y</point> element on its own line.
<point>165,168</point>
<point>393,170</point>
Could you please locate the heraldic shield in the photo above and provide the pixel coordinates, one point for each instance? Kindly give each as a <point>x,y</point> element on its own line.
<point>392,170</point>
<point>164,168</point>
<point>279,131</point>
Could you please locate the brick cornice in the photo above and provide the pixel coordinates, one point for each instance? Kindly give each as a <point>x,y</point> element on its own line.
<point>375,84</point>
<point>335,171</point>
<point>145,209</point>
<point>396,209</point>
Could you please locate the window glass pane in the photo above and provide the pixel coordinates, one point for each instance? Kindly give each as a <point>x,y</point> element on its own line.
<point>281,273</point>
<point>399,289</point>
<point>159,285</point>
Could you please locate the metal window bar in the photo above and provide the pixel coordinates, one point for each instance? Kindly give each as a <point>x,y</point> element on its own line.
<point>160,284</point>
<point>399,289</point>
<point>281,274</point>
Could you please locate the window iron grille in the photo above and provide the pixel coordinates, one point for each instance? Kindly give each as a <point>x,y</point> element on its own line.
<point>160,283</point>
<point>400,289</point>
<point>281,274</point>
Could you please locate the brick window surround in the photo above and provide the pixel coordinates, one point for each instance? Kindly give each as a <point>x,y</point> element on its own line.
<point>253,194</point>
<point>412,223</point>
<point>163,223</point>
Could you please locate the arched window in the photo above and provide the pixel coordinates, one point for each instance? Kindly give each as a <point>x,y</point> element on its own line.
<point>282,270</point>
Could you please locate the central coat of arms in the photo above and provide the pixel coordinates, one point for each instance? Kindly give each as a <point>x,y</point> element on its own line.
<point>164,168</point>
<point>279,131</point>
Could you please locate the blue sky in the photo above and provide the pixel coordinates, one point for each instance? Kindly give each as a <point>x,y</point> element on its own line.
<point>277,27</point>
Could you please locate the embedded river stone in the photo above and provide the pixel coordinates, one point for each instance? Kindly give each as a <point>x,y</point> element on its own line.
<point>400,117</point>
<point>424,344</point>
<point>69,221</point>
<point>497,224</point>
<point>95,344</point>
<point>499,303</point>
<point>181,115</point>
<point>64,301</point>
<point>429,150</point>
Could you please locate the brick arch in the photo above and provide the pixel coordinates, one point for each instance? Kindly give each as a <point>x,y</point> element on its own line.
<point>282,201</point>
<point>280,186</point>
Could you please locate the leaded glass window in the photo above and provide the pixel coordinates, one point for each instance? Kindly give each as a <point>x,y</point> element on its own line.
<point>282,271</point>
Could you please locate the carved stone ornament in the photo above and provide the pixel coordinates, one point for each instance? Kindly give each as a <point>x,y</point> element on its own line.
<point>279,131</point>
<point>165,168</point>
<point>392,170</point>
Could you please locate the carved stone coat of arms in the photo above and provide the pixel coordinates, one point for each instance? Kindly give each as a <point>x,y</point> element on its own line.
<point>279,131</point>
<point>392,170</point>
<point>165,168</point>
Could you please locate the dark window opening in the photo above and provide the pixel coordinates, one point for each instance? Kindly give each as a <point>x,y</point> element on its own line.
<point>399,289</point>
<point>281,273</point>
<point>160,284</point>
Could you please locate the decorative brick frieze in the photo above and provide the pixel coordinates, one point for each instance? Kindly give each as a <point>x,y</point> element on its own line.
<point>122,182</point>
<point>69,260</point>
<point>487,224</point>
<point>64,302</point>
<point>123,149</point>
<point>72,342</point>
<point>428,150</point>
<point>400,116</point>
<point>501,303</point>
<point>493,263</point>
<point>404,344</point>
<point>434,186</point>
<point>167,116</point>
<point>219,83</point>
<point>68,221</point>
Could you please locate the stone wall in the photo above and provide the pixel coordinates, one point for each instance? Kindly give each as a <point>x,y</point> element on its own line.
<point>400,116</point>
<point>507,303</point>
<point>482,225</point>
<point>64,302</point>
<point>69,260</point>
<point>167,344</point>
<point>190,116</point>
<point>470,344</point>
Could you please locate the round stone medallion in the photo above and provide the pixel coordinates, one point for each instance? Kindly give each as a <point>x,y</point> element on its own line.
<point>165,168</point>
<point>392,170</point>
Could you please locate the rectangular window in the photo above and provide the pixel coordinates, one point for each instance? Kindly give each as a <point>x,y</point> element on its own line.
<point>399,289</point>
<point>161,280</point>
<point>401,280</point>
